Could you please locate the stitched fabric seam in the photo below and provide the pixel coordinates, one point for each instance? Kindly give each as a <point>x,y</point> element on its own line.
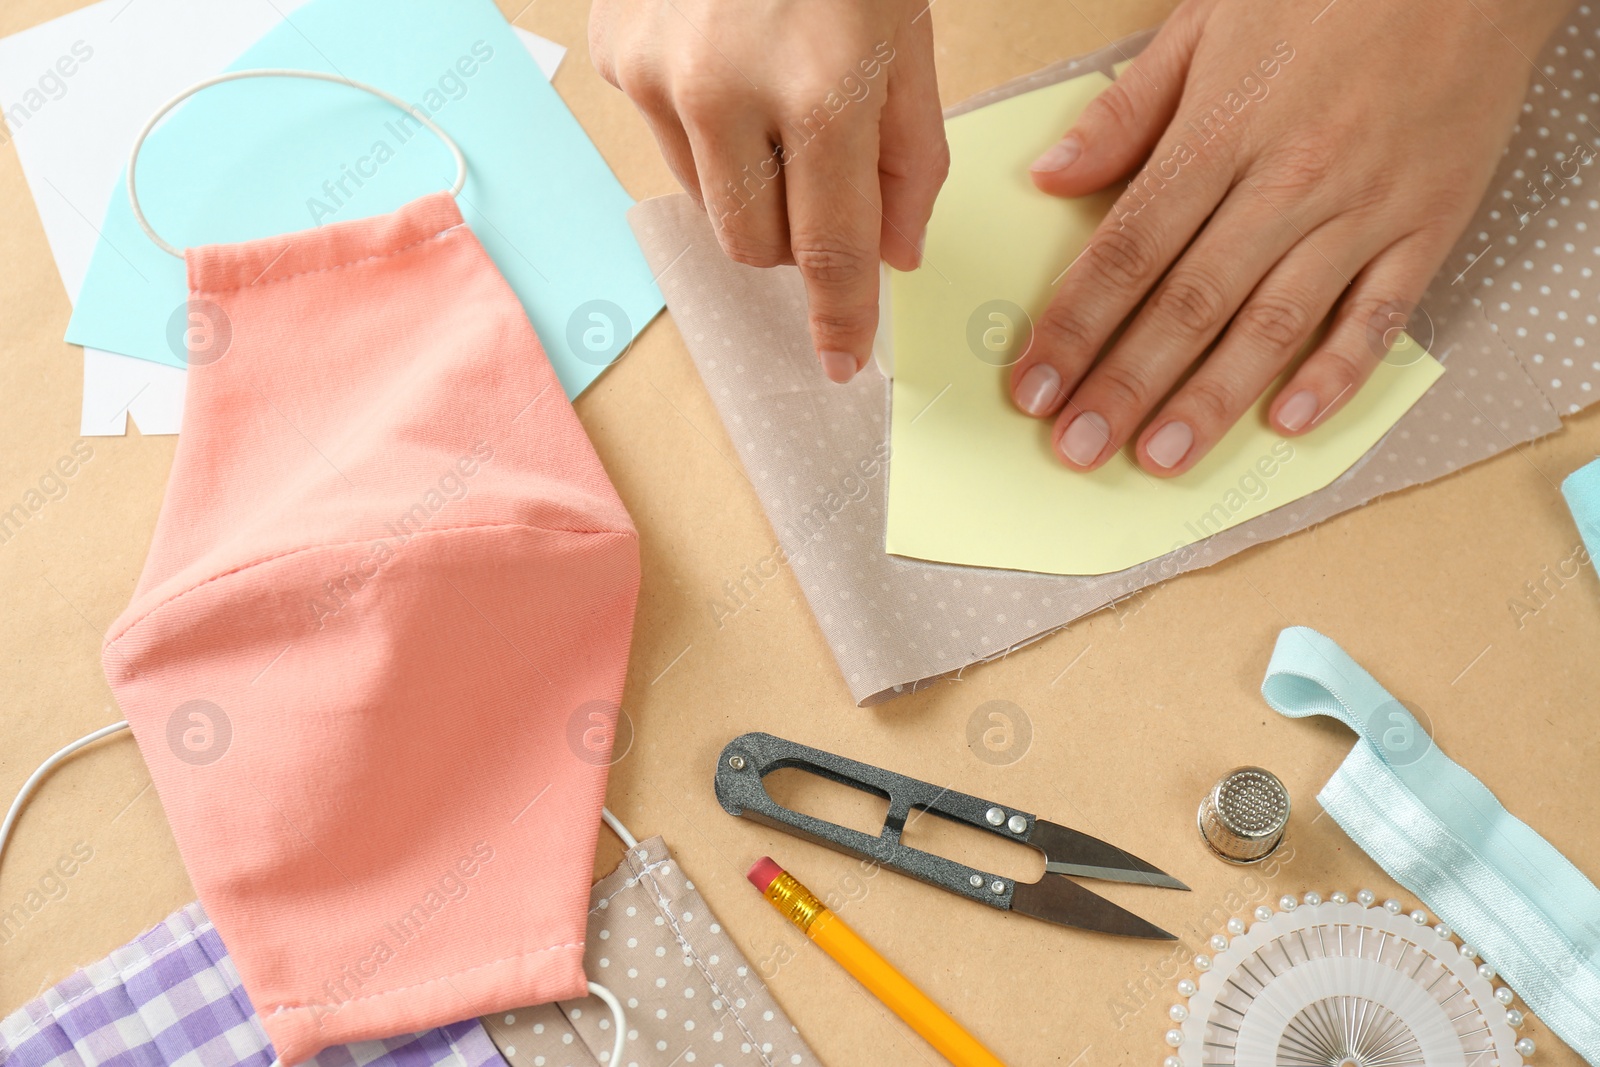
<point>663,906</point>
<point>190,937</point>
<point>605,902</point>
<point>150,959</point>
<point>1482,308</point>
<point>278,1009</point>
<point>337,266</point>
<point>340,544</point>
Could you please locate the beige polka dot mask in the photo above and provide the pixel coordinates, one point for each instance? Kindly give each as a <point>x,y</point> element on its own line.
<point>692,998</point>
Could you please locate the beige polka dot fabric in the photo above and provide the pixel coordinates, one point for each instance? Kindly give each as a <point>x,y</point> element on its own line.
<point>690,996</point>
<point>817,453</point>
<point>1531,255</point>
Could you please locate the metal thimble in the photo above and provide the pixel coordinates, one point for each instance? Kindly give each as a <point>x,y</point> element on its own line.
<point>1243,816</point>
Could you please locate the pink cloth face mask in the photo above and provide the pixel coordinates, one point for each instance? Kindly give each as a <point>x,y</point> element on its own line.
<point>390,583</point>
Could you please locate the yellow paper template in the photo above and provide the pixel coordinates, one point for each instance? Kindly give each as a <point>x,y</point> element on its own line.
<point>974,481</point>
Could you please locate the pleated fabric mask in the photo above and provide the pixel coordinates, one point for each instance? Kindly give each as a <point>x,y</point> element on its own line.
<point>172,996</point>
<point>384,620</point>
<point>693,999</point>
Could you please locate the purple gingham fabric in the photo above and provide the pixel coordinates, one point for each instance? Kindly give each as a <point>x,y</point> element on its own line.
<point>172,997</point>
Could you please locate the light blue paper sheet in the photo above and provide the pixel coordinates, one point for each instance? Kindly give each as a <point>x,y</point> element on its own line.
<point>252,159</point>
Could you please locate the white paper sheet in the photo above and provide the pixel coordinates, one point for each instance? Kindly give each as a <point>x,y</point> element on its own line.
<point>75,92</point>
<point>545,52</point>
<point>115,387</point>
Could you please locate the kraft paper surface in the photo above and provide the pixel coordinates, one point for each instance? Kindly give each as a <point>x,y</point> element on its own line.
<point>1470,597</point>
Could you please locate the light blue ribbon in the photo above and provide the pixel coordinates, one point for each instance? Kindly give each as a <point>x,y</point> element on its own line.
<point>1582,490</point>
<point>1439,832</point>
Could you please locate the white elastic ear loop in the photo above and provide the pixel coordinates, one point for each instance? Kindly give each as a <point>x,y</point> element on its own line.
<point>617,1014</point>
<point>617,1017</point>
<point>45,768</point>
<point>619,829</point>
<point>276,72</point>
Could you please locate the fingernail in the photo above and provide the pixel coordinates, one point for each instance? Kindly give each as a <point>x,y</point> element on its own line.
<point>838,366</point>
<point>1298,410</point>
<point>1084,439</point>
<point>922,240</point>
<point>1170,444</point>
<point>1060,156</point>
<point>1039,390</point>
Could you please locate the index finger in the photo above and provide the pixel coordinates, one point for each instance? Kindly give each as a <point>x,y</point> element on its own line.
<point>835,223</point>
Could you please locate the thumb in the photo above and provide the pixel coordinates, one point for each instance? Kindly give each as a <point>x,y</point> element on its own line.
<point>1120,127</point>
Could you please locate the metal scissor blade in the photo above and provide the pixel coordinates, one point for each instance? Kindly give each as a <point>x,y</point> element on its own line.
<point>1060,900</point>
<point>1070,852</point>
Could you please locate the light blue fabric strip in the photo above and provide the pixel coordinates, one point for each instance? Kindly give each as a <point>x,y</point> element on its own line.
<point>1582,490</point>
<point>1439,832</point>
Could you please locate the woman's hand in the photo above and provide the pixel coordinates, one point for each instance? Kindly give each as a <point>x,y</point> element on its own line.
<point>1294,157</point>
<point>809,130</point>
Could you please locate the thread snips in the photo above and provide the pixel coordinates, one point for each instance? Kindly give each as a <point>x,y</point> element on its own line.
<point>1055,898</point>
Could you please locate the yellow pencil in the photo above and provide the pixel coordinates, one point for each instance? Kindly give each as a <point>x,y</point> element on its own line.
<point>801,907</point>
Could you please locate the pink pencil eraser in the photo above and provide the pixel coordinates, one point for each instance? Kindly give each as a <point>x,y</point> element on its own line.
<point>764,873</point>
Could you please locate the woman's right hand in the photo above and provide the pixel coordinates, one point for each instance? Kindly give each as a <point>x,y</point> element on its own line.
<point>809,130</point>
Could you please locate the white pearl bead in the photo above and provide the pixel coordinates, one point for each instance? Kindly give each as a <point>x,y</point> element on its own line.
<point>1365,898</point>
<point>1287,903</point>
<point>1524,1046</point>
<point>1174,1038</point>
<point>1313,899</point>
<point>1339,896</point>
<point>1236,926</point>
<point>1263,913</point>
<point>1219,942</point>
<point>1468,951</point>
<point>1177,1013</point>
<point>1392,906</point>
<point>1513,1018</point>
<point>1187,987</point>
<point>1202,962</point>
<point>1420,917</point>
<point>1172,1061</point>
<point>1505,996</point>
<point>1486,972</point>
<point>1443,931</point>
